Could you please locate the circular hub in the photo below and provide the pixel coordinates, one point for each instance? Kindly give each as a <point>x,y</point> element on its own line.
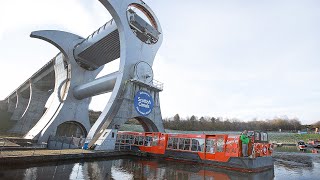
<point>143,72</point>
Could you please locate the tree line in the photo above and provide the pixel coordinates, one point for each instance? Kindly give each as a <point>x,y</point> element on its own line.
<point>194,123</point>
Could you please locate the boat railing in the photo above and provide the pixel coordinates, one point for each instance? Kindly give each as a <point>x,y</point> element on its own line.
<point>122,146</point>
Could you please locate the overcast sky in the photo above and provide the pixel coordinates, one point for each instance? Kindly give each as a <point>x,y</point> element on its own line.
<point>233,59</point>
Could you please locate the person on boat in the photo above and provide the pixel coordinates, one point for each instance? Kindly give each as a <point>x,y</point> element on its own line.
<point>245,141</point>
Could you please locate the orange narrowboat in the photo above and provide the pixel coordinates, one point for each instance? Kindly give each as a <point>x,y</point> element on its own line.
<point>216,150</point>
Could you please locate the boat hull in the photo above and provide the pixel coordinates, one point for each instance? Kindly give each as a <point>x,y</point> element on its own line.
<point>243,164</point>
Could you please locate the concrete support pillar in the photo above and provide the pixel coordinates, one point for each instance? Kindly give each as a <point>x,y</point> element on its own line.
<point>63,107</point>
<point>33,112</point>
<point>21,106</point>
<point>151,122</point>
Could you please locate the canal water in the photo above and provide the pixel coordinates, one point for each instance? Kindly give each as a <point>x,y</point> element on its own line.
<point>141,168</point>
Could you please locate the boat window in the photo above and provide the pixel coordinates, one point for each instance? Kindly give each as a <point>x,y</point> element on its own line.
<point>148,141</point>
<point>123,138</point>
<point>136,140</point>
<point>220,144</point>
<point>170,143</point>
<point>210,145</point>
<point>197,145</point>
<point>194,145</point>
<point>257,136</point>
<point>264,137</point>
<point>155,140</point>
<point>127,138</point>
<point>131,139</point>
<point>187,144</point>
<point>175,143</point>
<point>181,143</point>
<point>139,140</point>
<point>201,142</point>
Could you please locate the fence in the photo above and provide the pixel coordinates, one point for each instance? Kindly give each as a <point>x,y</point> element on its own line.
<point>58,142</point>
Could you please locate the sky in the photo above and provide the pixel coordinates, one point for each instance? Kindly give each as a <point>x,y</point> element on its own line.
<point>233,59</point>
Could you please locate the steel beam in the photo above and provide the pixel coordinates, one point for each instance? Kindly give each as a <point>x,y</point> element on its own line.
<point>98,86</point>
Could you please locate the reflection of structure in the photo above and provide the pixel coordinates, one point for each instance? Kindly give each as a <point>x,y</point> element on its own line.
<point>70,79</point>
<point>44,172</point>
<point>162,169</point>
<point>129,168</point>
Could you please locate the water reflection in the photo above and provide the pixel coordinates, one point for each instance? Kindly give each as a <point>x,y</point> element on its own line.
<point>152,169</point>
<point>128,168</point>
<point>51,172</point>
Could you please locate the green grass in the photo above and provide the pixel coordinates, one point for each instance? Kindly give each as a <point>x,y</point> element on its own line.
<point>291,138</point>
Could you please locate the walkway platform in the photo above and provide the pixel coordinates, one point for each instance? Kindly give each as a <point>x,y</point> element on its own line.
<point>27,157</point>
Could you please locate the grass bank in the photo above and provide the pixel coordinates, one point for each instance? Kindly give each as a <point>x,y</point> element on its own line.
<point>291,138</point>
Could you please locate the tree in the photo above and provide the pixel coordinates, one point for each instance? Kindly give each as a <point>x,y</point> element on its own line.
<point>176,117</point>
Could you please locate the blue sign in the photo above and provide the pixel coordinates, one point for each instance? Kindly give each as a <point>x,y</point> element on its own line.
<point>143,103</point>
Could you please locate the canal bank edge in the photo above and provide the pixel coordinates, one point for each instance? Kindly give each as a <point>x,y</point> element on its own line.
<point>56,157</point>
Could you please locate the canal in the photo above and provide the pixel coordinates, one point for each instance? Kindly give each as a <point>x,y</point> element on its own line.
<point>142,168</point>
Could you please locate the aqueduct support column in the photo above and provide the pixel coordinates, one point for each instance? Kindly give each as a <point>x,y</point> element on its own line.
<point>12,101</point>
<point>34,111</point>
<point>21,106</point>
<point>64,107</point>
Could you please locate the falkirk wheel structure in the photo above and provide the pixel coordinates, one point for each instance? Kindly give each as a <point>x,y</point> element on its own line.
<point>57,97</point>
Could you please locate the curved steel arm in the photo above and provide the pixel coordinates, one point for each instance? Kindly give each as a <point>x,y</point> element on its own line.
<point>64,41</point>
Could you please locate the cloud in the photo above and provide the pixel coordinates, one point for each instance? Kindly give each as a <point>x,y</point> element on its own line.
<point>73,15</point>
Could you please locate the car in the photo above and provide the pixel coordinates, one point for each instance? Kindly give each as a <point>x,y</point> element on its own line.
<point>301,145</point>
<point>314,143</point>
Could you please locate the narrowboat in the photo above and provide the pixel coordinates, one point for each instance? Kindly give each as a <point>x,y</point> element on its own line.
<point>215,150</point>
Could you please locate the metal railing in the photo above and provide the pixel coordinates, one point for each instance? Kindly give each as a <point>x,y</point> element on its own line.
<point>157,84</point>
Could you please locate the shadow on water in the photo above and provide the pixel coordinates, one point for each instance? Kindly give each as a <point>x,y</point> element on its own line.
<point>127,168</point>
